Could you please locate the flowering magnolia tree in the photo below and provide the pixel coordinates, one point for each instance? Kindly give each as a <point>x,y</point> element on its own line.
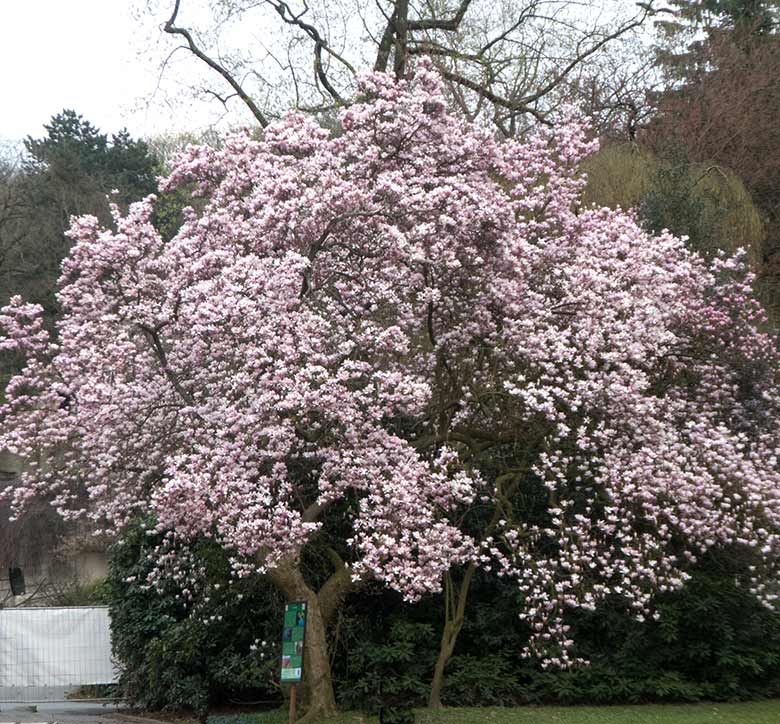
<point>409,344</point>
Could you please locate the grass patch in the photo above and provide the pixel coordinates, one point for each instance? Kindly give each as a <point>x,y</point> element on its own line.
<point>761,712</point>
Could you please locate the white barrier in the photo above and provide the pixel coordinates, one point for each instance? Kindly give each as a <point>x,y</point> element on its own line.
<point>45,651</point>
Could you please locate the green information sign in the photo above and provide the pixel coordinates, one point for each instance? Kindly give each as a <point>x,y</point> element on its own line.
<point>293,635</point>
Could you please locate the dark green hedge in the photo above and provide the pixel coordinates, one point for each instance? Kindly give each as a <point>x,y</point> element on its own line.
<point>173,656</point>
<point>712,642</point>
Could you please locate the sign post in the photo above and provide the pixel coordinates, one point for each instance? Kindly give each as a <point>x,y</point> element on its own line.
<point>293,638</point>
<point>293,695</point>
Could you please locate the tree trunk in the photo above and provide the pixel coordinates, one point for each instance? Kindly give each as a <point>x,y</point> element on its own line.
<point>454,615</point>
<point>318,696</point>
<point>446,647</point>
<point>455,601</point>
<point>401,37</point>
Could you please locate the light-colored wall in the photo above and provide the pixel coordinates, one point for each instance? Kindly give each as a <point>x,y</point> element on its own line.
<point>42,583</point>
<point>91,566</point>
<point>52,564</point>
<point>10,463</point>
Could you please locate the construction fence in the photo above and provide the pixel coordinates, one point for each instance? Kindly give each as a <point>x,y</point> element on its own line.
<point>51,654</point>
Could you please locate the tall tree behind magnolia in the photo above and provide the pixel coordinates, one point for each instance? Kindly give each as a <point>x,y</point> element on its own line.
<point>722,63</point>
<point>689,26</point>
<point>69,171</point>
<point>509,64</point>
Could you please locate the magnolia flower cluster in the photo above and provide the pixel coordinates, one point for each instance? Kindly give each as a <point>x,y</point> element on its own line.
<point>390,326</point>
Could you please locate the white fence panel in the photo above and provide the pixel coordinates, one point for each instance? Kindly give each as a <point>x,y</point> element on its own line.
<point>48,650</point>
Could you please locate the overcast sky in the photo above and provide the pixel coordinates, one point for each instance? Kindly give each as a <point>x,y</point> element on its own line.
<point>79,54</point>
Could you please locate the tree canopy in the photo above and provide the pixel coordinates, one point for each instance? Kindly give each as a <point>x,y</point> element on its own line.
<point>409,344</point>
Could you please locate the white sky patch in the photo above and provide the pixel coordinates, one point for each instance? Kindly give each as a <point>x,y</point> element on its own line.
<point>87,55</point>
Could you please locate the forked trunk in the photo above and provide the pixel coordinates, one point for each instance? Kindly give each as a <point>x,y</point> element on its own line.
<point>316,697</point>
<point>455,597</point>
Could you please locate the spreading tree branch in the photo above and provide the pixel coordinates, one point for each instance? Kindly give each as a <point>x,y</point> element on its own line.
<point>171,28</point>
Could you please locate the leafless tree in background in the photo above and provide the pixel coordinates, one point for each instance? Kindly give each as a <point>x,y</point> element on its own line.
<point>725,114</point>
<point>508,62</point>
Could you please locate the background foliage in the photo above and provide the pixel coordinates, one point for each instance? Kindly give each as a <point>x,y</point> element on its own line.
<point>704,202</point>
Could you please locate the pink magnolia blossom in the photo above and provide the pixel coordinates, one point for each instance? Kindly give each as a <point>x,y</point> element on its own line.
<point>399,323</point>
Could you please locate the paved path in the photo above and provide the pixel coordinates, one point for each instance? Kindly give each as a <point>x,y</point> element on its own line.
<point>70,712</point>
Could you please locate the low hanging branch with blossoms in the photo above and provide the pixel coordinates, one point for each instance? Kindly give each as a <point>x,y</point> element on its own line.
<point>399,327</point>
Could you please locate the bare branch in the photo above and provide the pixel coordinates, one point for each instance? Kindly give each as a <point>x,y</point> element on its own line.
<point>386,43</point>
<point>503,66</point>
<point>581,56</point>
<point>484,91</point>
<point>320,44</point>
<point>153,336</point>
<point>450,25</point>
<point>171,28</point>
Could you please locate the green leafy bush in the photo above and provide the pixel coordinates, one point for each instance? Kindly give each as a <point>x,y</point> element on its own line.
<point>387,667</point>
<point>713,641</point>
<point>178,655</point>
